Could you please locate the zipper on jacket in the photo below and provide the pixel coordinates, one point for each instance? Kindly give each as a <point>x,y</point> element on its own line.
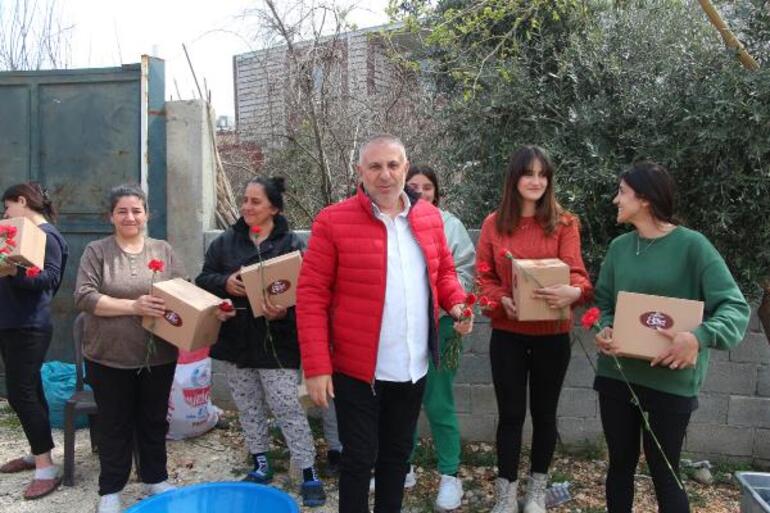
<point>374,392</point>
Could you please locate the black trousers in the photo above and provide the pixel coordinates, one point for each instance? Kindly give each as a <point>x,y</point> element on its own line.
<point>23,352</point>
<point>132,405</point>
<point>518,360</point>
<point>376,427</point>
<point>622,425</point>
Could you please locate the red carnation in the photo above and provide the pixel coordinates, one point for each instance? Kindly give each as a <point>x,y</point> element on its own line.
<point>5,250</point>
<point>32,272</point>
<point>467,313</point>
<point>10,243</point>
<point>483,301</point>
<point>226,306</point>
<point>590,317</point>
<point>506,254</point>
<point>256,230</point>
<point>470,299</point>
<point>156,265</point>
<point>8,230</point>
<point>483,267</point>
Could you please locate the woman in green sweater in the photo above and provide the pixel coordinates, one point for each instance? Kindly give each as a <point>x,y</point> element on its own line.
<point>662,258</point>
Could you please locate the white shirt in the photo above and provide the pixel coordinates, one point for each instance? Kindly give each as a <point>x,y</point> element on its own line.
<point>403,351</point>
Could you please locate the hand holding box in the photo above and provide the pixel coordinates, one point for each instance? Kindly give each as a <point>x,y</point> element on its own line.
<point>29,248</point>
<point>638,317</point>
<point>530,275</point>
<point>190,321</point>
<point>274,279</point>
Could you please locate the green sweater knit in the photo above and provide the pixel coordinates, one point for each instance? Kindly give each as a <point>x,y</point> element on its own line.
<point>682,264</point>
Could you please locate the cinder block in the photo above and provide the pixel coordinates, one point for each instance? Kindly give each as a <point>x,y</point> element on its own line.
<point>479,339</point>
<point>483,400</point>
<point>762,444</point>
<point>477,428</point>
<point>712,409</point>
<point>731,378</point>
<point>763,381</point>
<point>749,412</point>
<point>462,395</point>
<point>578,403</point>
<point>580,373</point>
<point>719,439</point>
<point>574,430</point>
<point>474,369</point>
<point>753,349</point>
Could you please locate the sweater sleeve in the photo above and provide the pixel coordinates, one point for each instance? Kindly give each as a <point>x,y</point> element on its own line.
<point>51,273</point>
<point>490,283</point>
<point>605,290</point>
<point>726,312</point>
<point>314,298</point>
<point>89,280</point>
<point>570,254</point>
<point>463,252</point>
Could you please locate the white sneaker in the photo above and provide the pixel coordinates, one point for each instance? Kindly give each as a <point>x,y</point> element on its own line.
<point>450,493</point>
<point>409,482</point>
<point>158,488</point>
<point>535,500</point>
<point>506,496</point>
<point>110,504</point>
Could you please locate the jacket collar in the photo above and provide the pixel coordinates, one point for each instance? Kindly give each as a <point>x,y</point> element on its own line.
<point>368,205</point>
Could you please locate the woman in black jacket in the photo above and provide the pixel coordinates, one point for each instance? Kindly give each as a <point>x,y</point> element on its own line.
<point>261,355</point>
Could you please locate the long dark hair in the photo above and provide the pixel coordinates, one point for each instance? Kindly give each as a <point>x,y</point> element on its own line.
<point>652,182</point>
<point>428,173</point>
<point>36,196</point>
<point>274,189</point>
<point>547,210</point>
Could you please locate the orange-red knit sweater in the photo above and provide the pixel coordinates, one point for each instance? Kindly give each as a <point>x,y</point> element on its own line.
<point>528,240</point>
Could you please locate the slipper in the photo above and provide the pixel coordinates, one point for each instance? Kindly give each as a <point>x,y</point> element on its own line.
<point>17,465</point>
<point>41,487</point>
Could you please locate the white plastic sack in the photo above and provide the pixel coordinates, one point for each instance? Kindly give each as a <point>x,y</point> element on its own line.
<point>190,412</point>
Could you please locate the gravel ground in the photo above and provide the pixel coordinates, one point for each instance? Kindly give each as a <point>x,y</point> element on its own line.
<point>220,456</point>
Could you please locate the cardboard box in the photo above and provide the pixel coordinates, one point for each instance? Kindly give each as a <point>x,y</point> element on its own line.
<point>637,317</point>
<point>190,321</point>
<point>275,278</point>
<point>30,242</point>
<point>534,274</point>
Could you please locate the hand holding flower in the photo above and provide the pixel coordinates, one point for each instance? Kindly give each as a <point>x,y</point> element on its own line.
<point>226,310</point>
<point>463,316</point>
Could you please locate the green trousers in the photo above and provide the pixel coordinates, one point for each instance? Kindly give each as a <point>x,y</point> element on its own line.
<point>439,405</point>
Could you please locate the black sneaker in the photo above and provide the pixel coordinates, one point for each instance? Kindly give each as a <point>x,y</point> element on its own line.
<point>333,462</point>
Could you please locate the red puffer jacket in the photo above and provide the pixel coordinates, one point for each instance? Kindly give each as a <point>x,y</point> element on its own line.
<point>341,289</point>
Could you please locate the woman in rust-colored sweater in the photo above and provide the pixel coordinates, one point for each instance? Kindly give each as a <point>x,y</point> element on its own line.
<point>528,356</point>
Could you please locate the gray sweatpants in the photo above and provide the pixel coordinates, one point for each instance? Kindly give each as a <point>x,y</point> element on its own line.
<point>256,392</point>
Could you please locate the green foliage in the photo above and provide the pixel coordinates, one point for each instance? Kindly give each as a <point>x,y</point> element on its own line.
<point>600,85</point>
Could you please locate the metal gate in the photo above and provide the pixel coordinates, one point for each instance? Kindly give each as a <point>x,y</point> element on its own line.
<point>79,133</point>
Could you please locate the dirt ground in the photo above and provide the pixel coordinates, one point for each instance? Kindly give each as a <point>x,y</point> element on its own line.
<point>220,456</point>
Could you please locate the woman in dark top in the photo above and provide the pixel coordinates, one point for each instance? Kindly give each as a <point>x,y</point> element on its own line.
<point>261,355</point>
<point>25,334</point>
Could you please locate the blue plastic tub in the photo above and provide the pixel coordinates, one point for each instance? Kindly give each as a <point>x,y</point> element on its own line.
<point>233,497</point>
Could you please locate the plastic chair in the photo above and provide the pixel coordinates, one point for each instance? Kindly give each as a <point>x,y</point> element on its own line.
<point>81,403</point>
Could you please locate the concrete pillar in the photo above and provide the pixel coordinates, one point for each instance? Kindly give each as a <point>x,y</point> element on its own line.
<point>191,196</point>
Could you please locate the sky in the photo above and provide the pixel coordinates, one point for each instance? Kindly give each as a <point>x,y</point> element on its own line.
<point>113,32</point>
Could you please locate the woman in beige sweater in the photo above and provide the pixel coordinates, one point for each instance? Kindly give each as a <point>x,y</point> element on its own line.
<point>131,381</point>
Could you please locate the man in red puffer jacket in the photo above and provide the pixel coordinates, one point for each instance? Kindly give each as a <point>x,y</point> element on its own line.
<point>376,271</point>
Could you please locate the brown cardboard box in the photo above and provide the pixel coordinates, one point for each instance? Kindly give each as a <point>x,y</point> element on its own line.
<point>30,242</point>
<point>638,315</point>
<point>535,274</point>
<point>278,280</point>
<point>190,321</point>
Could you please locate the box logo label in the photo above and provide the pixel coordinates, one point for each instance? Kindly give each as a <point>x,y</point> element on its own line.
<point>278,287</point>
<point>173,318</point>
<point>656,320</point>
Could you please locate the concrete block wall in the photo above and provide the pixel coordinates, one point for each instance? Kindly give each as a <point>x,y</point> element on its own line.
<point>732,422</point>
